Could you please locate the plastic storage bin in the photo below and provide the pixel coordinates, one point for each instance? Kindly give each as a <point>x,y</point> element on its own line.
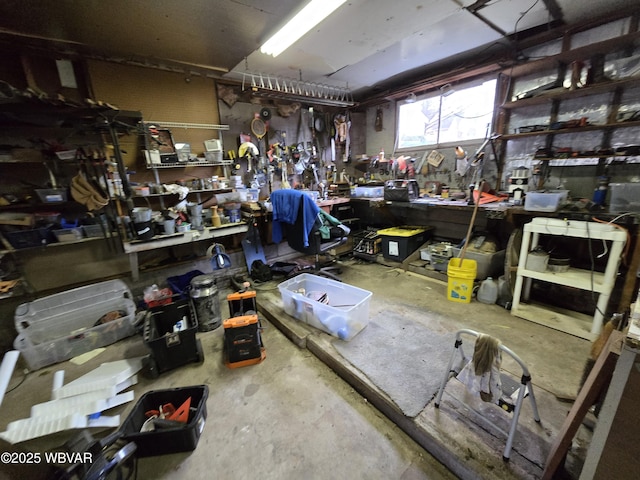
<point>625,197</point>
<point>545,201</point>
<point>52,195</point>
<point>95,231</point>
<point>344,315</point>
<point>29,238</point>
<point>170,333</point>
<point>68,234</point>
<point>400,242</point>
<point>488,264</point>
<point>167,440</point>
<point>368,192</point>
<point>58,327</point>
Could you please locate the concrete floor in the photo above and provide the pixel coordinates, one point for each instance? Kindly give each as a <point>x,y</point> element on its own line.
<point>295,416</point>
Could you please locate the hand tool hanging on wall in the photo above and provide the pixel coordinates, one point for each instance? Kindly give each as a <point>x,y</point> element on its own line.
<point>98,161</point>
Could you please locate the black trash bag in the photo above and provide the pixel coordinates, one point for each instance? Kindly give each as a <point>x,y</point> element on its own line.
<point>260,272</point>
<point>283,268</point>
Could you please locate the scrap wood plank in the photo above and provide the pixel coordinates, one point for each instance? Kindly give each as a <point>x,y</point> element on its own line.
<point>593,385</point>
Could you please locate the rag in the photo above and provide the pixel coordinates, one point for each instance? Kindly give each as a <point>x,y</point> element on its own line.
<point>84,193</point>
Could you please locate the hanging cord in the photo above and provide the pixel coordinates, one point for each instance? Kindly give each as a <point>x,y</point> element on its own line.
<point>627,244</point>
<point>593,266</point>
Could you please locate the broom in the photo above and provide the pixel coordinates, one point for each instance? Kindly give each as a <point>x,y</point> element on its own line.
<point>473,219</point>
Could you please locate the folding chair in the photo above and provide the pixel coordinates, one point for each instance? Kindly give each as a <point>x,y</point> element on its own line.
<point>525,388</point>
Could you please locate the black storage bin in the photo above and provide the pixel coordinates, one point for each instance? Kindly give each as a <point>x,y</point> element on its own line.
<point>171,349</point>
<point>400,242</point>
<point>29,238</point>
<point>167,440</point>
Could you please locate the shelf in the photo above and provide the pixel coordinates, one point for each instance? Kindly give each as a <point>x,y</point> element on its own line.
<point>567,321</point>
<point>167,194</point>
<point>568,94</point>
<point>581,53</point>
<point>189,164</point>
<point>588,128</point>
<point>601,283</point>
<point>54,245</point>
<point>199,126</point>
<point>574,277</point>
<point>132,248</point>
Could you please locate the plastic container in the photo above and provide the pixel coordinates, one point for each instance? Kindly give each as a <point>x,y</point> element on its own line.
<point>167,440</point>
<point>345,314</point>
<point>400,242</point>
<point>141,214</point>
<point>242,341</point>
<point>488,264</point>
<point>537,261</point>
<point>488,291</point>
<point>368,192</point>
<point>170,333</point>
<point>58,327</point>
<point>94,231</point>
<point>461,275</point>
<point>625,197</point>
<point>29,238</point>
<point>545,201</point>
<point>68,234</point>
<point>52,195</point>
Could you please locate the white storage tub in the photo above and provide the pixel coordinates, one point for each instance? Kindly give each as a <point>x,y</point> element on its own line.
<point>345,314</point>
<point>549,201</point>
<point>58,327</point>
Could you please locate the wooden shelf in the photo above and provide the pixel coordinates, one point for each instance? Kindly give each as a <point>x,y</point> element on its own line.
<point>581,53</point>
<point>565,94</point>
<point>587,128</point>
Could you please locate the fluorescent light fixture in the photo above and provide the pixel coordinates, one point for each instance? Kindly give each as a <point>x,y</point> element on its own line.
<point>307,18</point>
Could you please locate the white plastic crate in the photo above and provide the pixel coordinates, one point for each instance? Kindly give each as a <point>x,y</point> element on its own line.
<point>58,327</point>
<point>345,314</point>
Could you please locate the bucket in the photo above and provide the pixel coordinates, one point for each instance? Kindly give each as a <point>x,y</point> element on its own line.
<point>144,230</point>
<point>141,214</point>
<point>195,215</point>
<point>461,275</point>
<point>204,300</point>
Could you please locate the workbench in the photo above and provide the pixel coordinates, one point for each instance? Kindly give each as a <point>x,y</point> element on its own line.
<point>132,248</point>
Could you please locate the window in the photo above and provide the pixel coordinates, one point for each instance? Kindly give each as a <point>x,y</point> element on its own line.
<point>451,117</point>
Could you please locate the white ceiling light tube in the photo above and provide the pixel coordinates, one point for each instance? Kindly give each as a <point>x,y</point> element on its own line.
<point>311,15</point>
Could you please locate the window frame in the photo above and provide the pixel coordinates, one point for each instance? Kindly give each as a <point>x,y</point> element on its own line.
<point>437,94</point>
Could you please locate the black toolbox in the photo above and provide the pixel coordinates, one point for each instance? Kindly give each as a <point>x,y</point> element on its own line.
<point>171,347</point>
<point>167,440</point>
<point>242,341</point>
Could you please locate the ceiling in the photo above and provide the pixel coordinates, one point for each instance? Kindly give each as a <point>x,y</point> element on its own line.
<point>366,46</point>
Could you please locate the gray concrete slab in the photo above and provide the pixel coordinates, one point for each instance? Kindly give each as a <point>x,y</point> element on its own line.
<point>290,416</point>
<point>458,433</point>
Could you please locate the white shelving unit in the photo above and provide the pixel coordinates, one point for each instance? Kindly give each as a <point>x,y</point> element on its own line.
<point>600,283</point>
